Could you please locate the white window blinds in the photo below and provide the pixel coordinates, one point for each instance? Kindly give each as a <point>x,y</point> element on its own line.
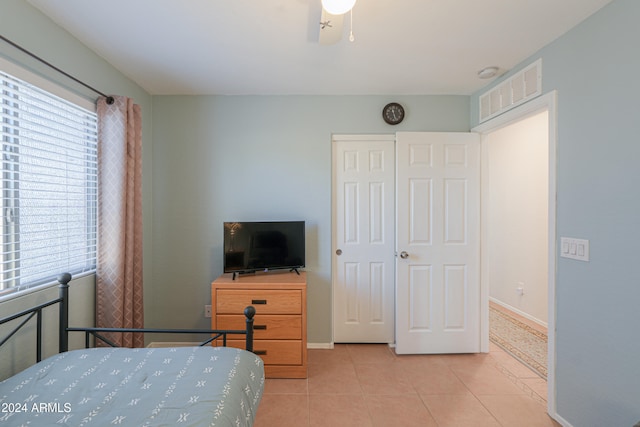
<point>49,186</point>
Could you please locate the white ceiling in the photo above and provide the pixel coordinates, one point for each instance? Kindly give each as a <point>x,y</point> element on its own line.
<point>414,47</point>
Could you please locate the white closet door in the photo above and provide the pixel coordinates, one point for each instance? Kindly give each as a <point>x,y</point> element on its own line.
<point>438,243</point>
<point>363,242</point>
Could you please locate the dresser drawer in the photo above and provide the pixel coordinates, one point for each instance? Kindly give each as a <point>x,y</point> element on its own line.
<point>274,352</point>
<point>232,301</point>
<point>265,326</point>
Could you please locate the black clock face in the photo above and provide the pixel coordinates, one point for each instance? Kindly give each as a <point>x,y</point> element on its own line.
<point>393,113</point>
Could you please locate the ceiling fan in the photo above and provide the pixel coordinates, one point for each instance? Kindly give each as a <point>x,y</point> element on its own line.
<point>332,20</point>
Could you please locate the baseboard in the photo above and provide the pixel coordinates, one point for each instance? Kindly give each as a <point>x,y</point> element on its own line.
<point>519,312</point>
<point>161,344</point>
<point>561,420</point>
<point>310,345</point>
<point>320,345</point>
<point>330,345</point>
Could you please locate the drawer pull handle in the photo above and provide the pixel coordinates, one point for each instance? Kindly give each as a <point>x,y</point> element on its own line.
<point>260,352</point>
<point>258,301</point>
<point>263,327</point>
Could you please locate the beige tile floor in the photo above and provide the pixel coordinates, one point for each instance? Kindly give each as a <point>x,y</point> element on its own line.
<point>369,385</point>
<point>517,372</point>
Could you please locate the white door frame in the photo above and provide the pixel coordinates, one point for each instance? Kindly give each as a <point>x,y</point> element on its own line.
<point>546,102</point>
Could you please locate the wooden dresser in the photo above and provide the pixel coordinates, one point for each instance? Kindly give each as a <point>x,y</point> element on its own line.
<point>280,324</point>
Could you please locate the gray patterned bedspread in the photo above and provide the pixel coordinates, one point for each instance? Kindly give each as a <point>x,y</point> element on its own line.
<point>184,386</point>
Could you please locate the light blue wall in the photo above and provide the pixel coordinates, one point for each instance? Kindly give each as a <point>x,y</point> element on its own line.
<point>223,158</point>
<point>595,69</point>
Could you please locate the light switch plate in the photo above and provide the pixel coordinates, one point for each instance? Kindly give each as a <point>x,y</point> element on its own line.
<point>577,249</point>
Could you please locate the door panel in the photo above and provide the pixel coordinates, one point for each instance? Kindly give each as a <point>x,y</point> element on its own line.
<point>364,264</point>
<point>419,211</point>
<point>420,297</point>
<point>438,217</point>
<point>455,289</point>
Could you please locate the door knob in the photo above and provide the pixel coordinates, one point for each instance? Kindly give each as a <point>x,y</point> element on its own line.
<point>404,255</point>
<point>338,251</point>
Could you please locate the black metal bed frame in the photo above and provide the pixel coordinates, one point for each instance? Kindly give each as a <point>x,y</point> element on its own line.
<point>64,329</point>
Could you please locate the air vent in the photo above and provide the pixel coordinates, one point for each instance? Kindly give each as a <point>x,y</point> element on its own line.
<point>517,89</point>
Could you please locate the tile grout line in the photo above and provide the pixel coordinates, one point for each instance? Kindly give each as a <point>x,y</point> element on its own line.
<point>522,385</point>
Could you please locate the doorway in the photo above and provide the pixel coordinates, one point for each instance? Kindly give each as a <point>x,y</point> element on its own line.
<point>518,287</point>
<point>517,220</point>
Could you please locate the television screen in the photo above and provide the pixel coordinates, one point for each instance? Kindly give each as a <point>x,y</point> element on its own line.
<point>255,246</point>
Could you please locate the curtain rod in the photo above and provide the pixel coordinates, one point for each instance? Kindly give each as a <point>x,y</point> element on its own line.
<point>110,99</point>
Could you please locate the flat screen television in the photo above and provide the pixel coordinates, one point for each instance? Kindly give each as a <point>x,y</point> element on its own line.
<point>262,246</point>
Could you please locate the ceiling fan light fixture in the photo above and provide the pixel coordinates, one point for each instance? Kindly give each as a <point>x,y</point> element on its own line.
<point>338,7</point>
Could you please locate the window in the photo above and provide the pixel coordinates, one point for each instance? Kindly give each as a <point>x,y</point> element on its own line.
<point>49,186</point>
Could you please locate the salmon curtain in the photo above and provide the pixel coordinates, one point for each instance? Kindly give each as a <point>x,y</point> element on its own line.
<point>119,269</point>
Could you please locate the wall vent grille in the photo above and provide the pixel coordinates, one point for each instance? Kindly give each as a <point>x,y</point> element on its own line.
<point>517,89</point>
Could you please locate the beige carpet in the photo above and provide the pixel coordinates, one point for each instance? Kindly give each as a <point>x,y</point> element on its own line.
<point>519,339</point>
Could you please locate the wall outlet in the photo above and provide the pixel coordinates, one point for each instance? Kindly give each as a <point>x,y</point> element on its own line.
<point>207,311</point>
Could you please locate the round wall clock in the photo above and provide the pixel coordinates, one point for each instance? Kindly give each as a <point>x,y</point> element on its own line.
<point>393,113</point>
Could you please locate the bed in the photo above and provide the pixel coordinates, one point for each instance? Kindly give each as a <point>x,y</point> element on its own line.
<point>180,386</point>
